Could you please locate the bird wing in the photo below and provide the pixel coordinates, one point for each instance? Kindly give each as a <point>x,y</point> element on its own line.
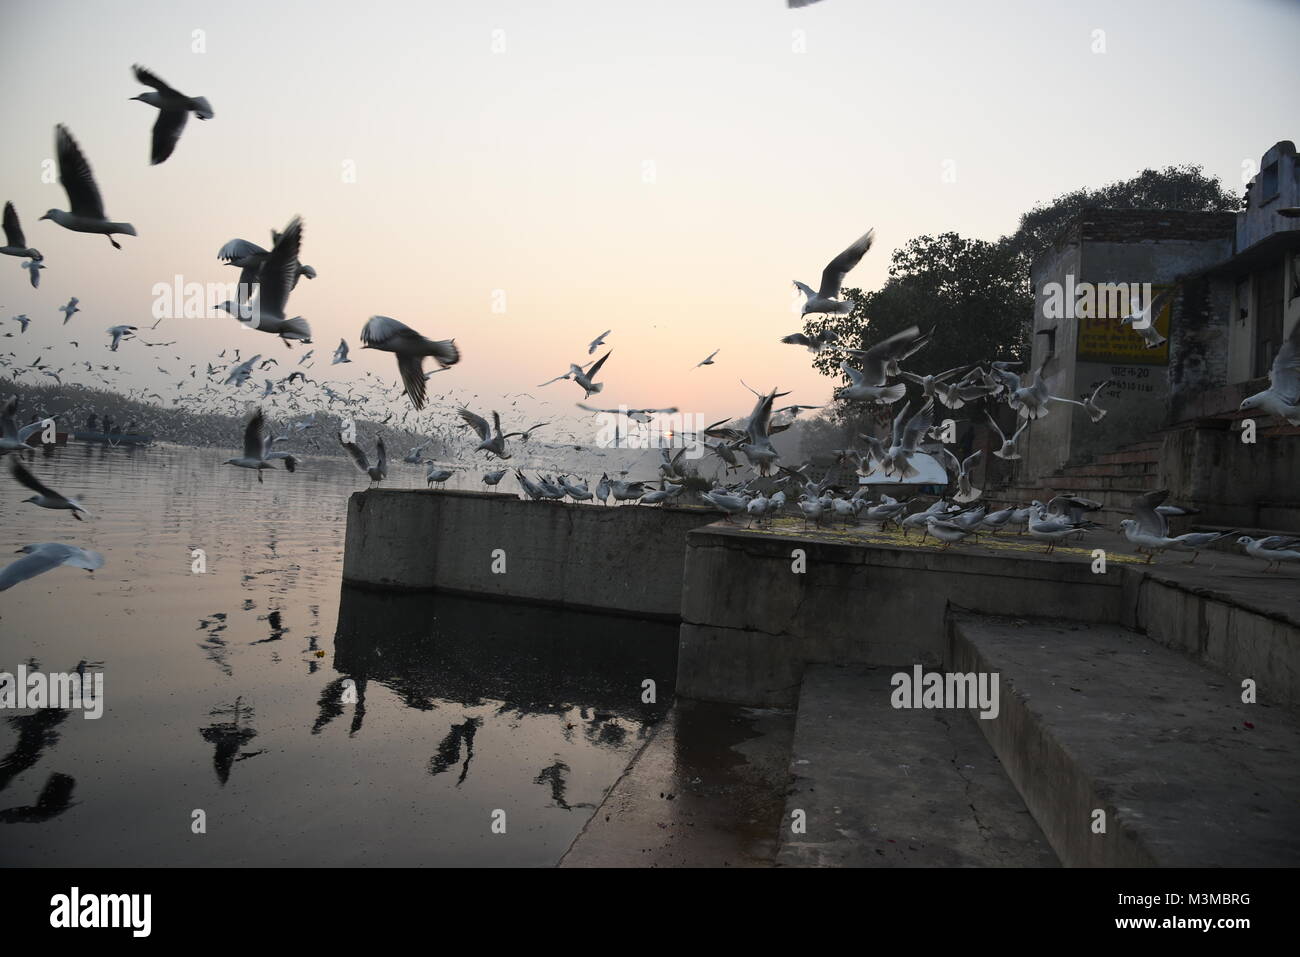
<point>996,428</point>
<point>13,231</point>
<point>239,249</point>
<point>475,422</point>
<point>855,376</point>
<point>917,426</point>
<point>835,271</point>
<point>591,373</point>
<point>76,177</point>
<point>36,562</point>
<point>151,79</point>
<point>893,347</point>
<point>253,436</point>
<point>275,278</point>
<point>806,290</point>
<point>358,455</point>
<point>1148,519</point>
<point>971,461</point>
<point>381,452</point>
<point>411,369</point>
<point>1284,375</point>
<point>595,343</point>
<point>31,481</point>
<point>167,133</point>
<point>797,339</point>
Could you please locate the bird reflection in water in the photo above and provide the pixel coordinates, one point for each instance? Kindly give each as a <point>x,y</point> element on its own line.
<point>228,737</point>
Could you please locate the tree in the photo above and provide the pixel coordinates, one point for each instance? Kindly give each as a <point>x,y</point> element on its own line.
<point>974,295</point>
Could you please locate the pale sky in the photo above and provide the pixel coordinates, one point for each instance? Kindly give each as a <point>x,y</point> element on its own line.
<point>525,170</point>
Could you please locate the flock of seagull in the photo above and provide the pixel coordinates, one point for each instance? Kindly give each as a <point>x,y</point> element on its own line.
<point>875,376</point>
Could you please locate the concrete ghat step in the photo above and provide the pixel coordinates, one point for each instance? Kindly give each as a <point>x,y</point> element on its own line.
<point>1095,716</point>
<point>897,788</point>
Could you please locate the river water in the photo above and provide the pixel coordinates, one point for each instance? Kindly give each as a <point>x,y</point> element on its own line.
<point>303,723</point>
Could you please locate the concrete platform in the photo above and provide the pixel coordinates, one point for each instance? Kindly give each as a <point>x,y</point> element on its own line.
<point>1098,717</point>
<point>886,787</point>
<point>705,791</point>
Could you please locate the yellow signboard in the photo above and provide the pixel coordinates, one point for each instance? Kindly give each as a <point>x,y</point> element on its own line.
<point>1105,340</point>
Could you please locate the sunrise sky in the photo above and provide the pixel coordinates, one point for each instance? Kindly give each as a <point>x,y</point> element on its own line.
<point>662,169</point>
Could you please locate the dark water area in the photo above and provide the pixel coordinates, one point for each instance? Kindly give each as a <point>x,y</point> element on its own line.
<point>309,723</point>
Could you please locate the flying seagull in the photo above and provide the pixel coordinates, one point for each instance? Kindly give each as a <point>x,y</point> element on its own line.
<point>15,243</point>
<point>823,300</point>
<point>87,213</point>
<point>341,353</point>
<point>706,362</point>
<point>34,266</point>
<point>598,342</point>
<point>117,332</point>
<point>377,472</point>
<point>13,438</point>
<point>45,497</point>
<point>70,309</point>
<point>275,280</point>
<point>174,109</point>
<point>1282,397</point>
<point>256,445</point>
<point>46,556</point>
<point>389,335</point>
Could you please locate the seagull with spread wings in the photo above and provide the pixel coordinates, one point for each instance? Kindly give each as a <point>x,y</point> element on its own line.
<point>15,242</point>
<point>45,496</point>
<point>389,335</point>
<point>257,443</point>
<point>174,108</point>
<point>824,299</point>
<point>45,556</point>
<point>377,472</point>
<point>78,181</point>
<point>1282,397</point>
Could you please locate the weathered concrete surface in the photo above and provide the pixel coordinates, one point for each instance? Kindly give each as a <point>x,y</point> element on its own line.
<point>705,791</point>
<point>886,787</point>
<point>626,560</point>
<point>1096,717</point>
<point>1228,614</point>
<point>750,623</point>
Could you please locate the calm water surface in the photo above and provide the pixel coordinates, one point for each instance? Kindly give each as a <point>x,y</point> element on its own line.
<point>312,724</point>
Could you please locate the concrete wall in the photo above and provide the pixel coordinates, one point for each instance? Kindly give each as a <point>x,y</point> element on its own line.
<point>626,559</point>
<point>750,624</point>
<point>1232,482</point>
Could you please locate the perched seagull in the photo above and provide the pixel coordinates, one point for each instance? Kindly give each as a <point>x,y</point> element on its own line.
<point>34,267</point>
<point>1275,549</point>
<point>15,243</point>
<point>256,448</point>
<point>1052,529</point>
<point>275,280</point>
<point>438,475</point>
<point>492,478</point>
<point>377,472</point>
<point>1282,397</point>
<point>946,531</point>
<point>816,343</point>
<point>44,557</point>
<point>87,213</point>
<point>13,438</point>
<point>70,309</point>
<point>823,300</point>
<point>45,497</point>
<point>1194,541</point>
<point>598,342</point>
<point>725,501</point>
<point>117,332</point>
<point>174,108</point>
<point>389,335</point>
<point>709,360</point>
<point>1008,450</point>
<point>341,353</point>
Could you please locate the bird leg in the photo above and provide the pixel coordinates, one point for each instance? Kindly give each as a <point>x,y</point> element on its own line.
<point>116,245</point>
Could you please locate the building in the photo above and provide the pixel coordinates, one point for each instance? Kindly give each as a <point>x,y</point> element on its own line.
<point>1236,296</point>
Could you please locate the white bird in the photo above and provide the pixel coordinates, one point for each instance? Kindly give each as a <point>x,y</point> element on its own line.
<point>1275,549</point>
<point>22,321</point>
<point>961,475</point>
<point>492,478</point>
<point>45,496</point>
<point>709,360</point>
<point>44,557</point>
<point>78,181</point>
<point>905,441</point>
<point>13,438</point>
<point>174,108</point>
<point>1052,529</point>
<point>275,280</point>
<point>15,242</point>
<point>598,342</point>
<point>491,439</point>
<point>1008,449</point>
<point>588,379</point>
<point>70,309</point>
<point>377,472</point>
<point>824,299</point>
<point>636,415</point>
<point>1282,397</point>
<point>868,384</point>
<point>257,443</point>
<point>34,267</point>
<point>118,333</point>
<point>946,531</point>
<point>341,353</point>
<point>240,373</point>
<point>389,335</point>
<point>816,344</point>
<point>436,474</point>
<point>1143,321</point>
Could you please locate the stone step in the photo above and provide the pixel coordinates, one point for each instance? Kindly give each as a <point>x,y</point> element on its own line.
<point>1096,717</point>
<point>1112,468</point>
<point>886,787</point>
<point>1130,455</point>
